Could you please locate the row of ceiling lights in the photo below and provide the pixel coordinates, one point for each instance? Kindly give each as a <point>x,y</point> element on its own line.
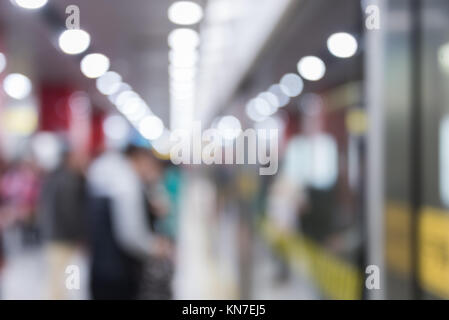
<point>17,85</point>
<point>93,66</point>
<point>109,83</point>
<point>183,61</point>
<point>262,108</point>
<point>183,57</point>
<point>291,85</point>
<point>311,68</point>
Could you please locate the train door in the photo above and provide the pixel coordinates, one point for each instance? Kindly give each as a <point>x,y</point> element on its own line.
<point>417,149</point>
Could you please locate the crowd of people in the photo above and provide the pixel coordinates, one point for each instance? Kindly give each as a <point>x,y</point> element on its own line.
<point>119,209</point>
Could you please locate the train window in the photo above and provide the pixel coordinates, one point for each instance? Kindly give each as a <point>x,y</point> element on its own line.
<point>313,160</point>
<point>444,161</point>
<point>325,161</point>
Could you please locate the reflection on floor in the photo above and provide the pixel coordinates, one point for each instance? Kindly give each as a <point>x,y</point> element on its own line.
<point>200,272</point>
<point>207,261</point>
<point>272,281</point>
<point>25,276</point>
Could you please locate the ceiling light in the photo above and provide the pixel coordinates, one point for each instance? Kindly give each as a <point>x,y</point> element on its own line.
<point>185,13</point>
<point>132,106</point>
<point>139,114</point>
<point>31,4</point>
<point>122,88</point>
<point>183,59</point>
<point>292,85</point>
<point>182,74</point>
<point>182,39</point>
<point>74,41</point>
<point>270,98</point>
<point>188,95</point>
<point>311,68</point>
<point>124,96</point>
<point>17,86</point>
<point>229,127</point>
<point>278,91</point>
<point>262,106</point>
<point>151,127</point>
<point>109,83</point>
<point>252,113</point>
<point>342,45</point>
<point>95,65</point>
<point>182,86</point>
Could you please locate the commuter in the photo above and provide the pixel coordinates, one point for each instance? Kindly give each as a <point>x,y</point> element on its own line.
<point>19,188</point>
<point>287,199</point>
<point>62,216</point>
<point>120,223</point>
<point>18,191</point>
<point>158,271</point>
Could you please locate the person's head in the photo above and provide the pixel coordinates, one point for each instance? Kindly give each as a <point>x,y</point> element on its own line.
<point>146,165</point>
<point>73,160</point>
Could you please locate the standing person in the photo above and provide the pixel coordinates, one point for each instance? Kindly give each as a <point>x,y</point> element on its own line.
<point>121,238</point>
<point>162,209</point>
<point>19,189</point>
<point>63,218</point>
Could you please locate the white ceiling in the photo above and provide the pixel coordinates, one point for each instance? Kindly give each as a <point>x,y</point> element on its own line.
<point>133,34</point>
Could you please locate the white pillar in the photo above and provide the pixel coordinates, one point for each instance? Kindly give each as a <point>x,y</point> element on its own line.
<point>374,90</point>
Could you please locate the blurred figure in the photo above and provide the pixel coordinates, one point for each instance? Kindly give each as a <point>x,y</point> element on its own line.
<point>161,185</point>
<point>171,181</point>
<point>286,199</point>
<point>121,223</point>
<point>63,205</point>
<point>19,188</point>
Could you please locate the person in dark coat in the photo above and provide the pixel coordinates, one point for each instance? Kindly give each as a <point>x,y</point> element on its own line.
<point>62,217</point>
